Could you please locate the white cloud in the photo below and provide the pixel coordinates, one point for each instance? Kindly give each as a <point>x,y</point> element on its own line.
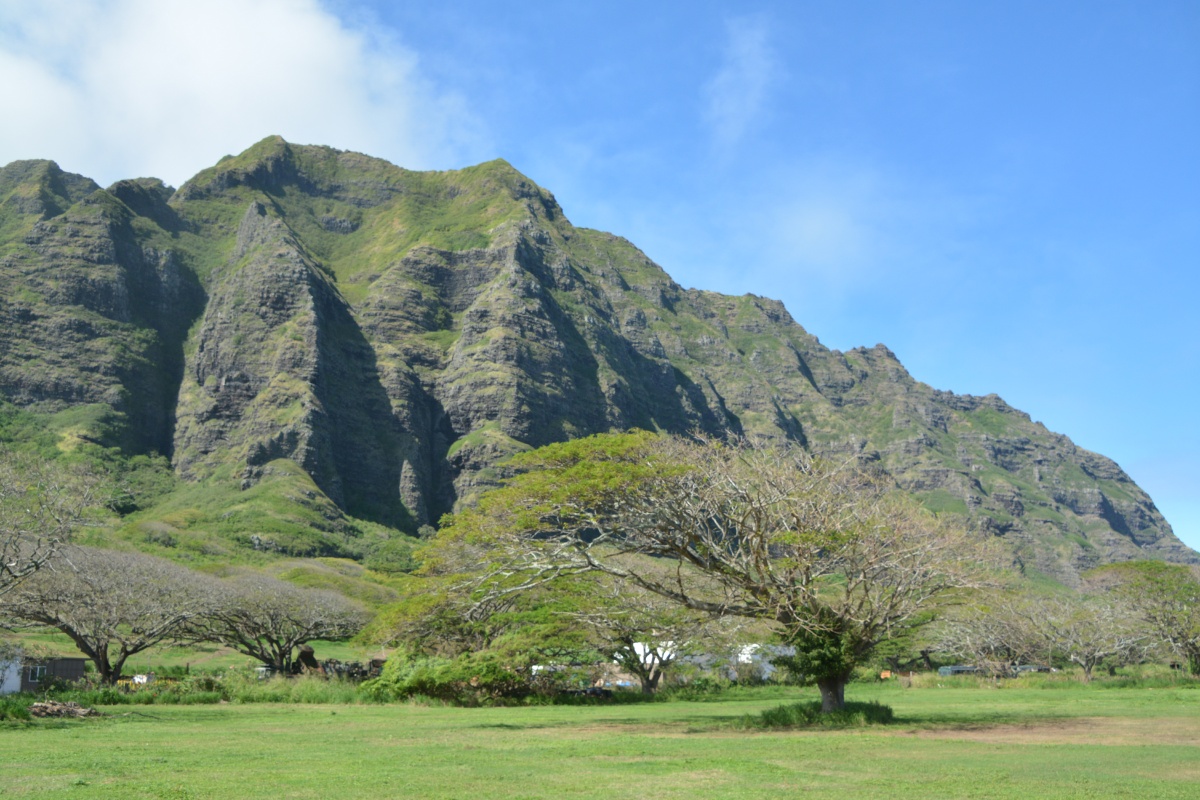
<point>843,221</point>
<point>827,221</point>
<point>823,235</point>
<point>736,95</point>
<point>124,88</point>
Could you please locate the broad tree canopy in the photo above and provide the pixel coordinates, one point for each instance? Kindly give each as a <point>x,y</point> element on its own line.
<point>267,619</point>
<point>830,554</point>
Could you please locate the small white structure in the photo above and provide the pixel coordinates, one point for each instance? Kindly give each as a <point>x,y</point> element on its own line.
<point>10,676</point>
<point>758,658</point>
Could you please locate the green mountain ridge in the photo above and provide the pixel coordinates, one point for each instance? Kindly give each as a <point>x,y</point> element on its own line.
<point>328,347</point>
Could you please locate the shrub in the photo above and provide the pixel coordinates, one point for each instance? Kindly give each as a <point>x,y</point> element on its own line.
<point>393,556</point>
<point>471,679</point>
<point>15,709</point>
<point>699,689</point>
<point>809,715</point>
<point>104,696</point>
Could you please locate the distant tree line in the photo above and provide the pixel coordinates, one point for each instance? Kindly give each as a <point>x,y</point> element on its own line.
<point>114,605</point>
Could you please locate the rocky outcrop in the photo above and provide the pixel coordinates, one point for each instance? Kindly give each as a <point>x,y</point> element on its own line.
<point>398,334</point>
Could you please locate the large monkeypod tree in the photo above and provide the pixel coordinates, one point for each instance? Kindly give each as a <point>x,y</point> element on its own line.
<point>830,554</point>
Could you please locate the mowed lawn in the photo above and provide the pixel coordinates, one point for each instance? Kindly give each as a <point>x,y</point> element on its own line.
<point>960,742</point>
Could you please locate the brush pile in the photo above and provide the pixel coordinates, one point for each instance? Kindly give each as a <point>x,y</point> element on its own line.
<point>53,708</point>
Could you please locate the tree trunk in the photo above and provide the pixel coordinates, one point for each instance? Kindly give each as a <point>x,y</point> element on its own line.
<point>650,679</point>
<point>98,656</point>
<point>833,693</point>
<point>107,672</point>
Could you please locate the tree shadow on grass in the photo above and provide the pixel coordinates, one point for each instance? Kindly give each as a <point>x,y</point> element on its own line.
<point>949,720</point>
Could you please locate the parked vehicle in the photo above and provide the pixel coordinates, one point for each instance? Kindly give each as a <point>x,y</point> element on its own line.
<point>957,669</point>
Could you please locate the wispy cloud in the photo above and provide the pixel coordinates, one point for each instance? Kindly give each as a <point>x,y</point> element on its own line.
<point>736,95</point>
<point>842,220</point>
<point>123,88</point>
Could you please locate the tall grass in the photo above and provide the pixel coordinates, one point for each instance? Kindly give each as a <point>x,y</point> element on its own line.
<point>305,689</point>
<point>233,687</point>
<point>1147,676</point>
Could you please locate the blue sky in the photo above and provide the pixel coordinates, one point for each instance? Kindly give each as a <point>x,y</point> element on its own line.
<point>1006,194</point>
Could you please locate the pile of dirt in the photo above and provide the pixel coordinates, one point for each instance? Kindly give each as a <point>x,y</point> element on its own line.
<point>53,708</point>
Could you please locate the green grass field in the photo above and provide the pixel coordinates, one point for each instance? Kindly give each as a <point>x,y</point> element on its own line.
<point>1011,742</point>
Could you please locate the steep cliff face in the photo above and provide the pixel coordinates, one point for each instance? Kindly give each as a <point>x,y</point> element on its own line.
<point>280,370</point>
<point>94,307</point>
<point>397,334</point>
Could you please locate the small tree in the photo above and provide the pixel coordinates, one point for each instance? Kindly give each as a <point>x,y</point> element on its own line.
<point>992,633</point>
<point>1000,630</point>
<point>112,605</point>
<point>1164,597</point>
<point>1089,631</point>
<point>42,504</point>
<point>829,554</point>
<point>267,619</point>
<point>455,644</point>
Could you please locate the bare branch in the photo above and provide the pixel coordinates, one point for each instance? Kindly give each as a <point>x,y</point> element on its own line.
<point>42,504</point>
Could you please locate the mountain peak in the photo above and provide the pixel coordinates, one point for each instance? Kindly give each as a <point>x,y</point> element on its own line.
<point>41,187</point>
<point>318,336</point>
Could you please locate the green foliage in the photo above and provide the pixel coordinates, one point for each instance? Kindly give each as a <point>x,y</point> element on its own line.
<point>393,555</point>
<point>435,618</point>
<point>809,715</point>
<point>583,473</point>
<point>471,679</point>
<point>241,687</point>
<point>15,708</point>
<point>830,652</point>
<point>234,686</point>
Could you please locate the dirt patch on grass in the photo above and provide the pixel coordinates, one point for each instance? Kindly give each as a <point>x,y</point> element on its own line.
<point>1121,731</point>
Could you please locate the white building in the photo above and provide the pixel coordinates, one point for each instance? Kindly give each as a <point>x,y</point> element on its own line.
<point>10,676</point>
